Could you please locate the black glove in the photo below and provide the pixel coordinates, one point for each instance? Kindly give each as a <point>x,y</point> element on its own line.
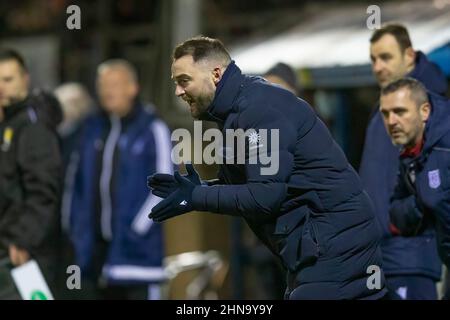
<point>177,203</point>
<point>163,184</point>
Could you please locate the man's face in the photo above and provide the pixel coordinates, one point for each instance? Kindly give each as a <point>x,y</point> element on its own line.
<point>195,83</point>
<point>13,83</point>
<point>116,90</point>
<point>403,119</point>
<point>388,62</point>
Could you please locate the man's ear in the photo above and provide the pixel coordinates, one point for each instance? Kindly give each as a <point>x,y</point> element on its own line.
<point>217,74</point>
<point>410,57</point>
<point>135,89</point>
<point>27,79</point>
<point>425,110</point>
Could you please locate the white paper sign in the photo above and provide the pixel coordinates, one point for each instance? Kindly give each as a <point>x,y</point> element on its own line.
<point>30,282</point>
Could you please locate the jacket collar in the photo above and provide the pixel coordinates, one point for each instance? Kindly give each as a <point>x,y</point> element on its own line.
<point>429,74</point>
<point>130,117</point>
<point>227,91</point>
<point>435,128</point>
<point>135,110</point>
<point>12,110</point>
<point>413,151</point>
<point>438,123</point>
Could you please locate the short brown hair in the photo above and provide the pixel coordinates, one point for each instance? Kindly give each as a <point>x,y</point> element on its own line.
<point>399,32</point>
<point>201,47</point>
<point>11,54</point>
<point>417,91</point>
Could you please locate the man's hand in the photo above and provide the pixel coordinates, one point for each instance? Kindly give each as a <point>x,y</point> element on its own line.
<point>163,184</point>
<point>178,202</point>
<point>18,256</point>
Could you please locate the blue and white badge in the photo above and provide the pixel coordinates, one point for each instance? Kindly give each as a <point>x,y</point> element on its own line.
<point>434,180</point>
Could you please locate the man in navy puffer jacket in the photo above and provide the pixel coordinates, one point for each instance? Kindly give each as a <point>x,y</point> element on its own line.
<point>311,212</point>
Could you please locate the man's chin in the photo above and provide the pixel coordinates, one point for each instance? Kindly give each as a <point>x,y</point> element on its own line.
<point>6,102</point>
<point>383,83</point>
<point>194,112</point>
<point>398,143</point>
<point>197,113</point>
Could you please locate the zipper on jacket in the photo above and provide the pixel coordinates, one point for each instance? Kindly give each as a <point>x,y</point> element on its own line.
<point>105,177</point>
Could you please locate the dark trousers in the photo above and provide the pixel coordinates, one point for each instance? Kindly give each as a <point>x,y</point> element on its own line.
<point>412,287</point>
<point>8,290</point>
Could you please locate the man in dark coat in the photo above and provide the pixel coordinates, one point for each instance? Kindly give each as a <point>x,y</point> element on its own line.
<point>307,206</point>
<point>420,125</point>
<point>30,174</point>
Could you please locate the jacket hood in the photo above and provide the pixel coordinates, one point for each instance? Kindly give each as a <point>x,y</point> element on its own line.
<point>438,123</point>
<point>226,92</point>
<point>429,74</point>
<point>47,107</point>
<point>15,108</point>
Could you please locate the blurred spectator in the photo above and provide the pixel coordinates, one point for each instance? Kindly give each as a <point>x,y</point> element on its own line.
<point>30,174</point>
<point>77,105</point>
<point>118,249</point>
<point>412,265</point>
<point>285,76</point>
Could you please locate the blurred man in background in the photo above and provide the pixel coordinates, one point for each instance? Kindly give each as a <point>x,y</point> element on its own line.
<point>283,75</point>
<point>77,104</point>
<point>117,248</point>
<point>30,174</point>
<point>412,265</point>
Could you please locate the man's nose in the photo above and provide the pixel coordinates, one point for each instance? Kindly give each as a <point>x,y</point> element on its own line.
<point>179,91</point>
<point>377,66</point>
<point>392,120</point>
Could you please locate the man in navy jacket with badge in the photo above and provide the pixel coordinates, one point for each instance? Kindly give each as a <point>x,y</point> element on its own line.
<point>420,124</point>
<point>312,212</point>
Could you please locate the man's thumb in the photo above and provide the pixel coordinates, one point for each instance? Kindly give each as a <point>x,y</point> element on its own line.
<point>190,169</point>
<point>178,177</point>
